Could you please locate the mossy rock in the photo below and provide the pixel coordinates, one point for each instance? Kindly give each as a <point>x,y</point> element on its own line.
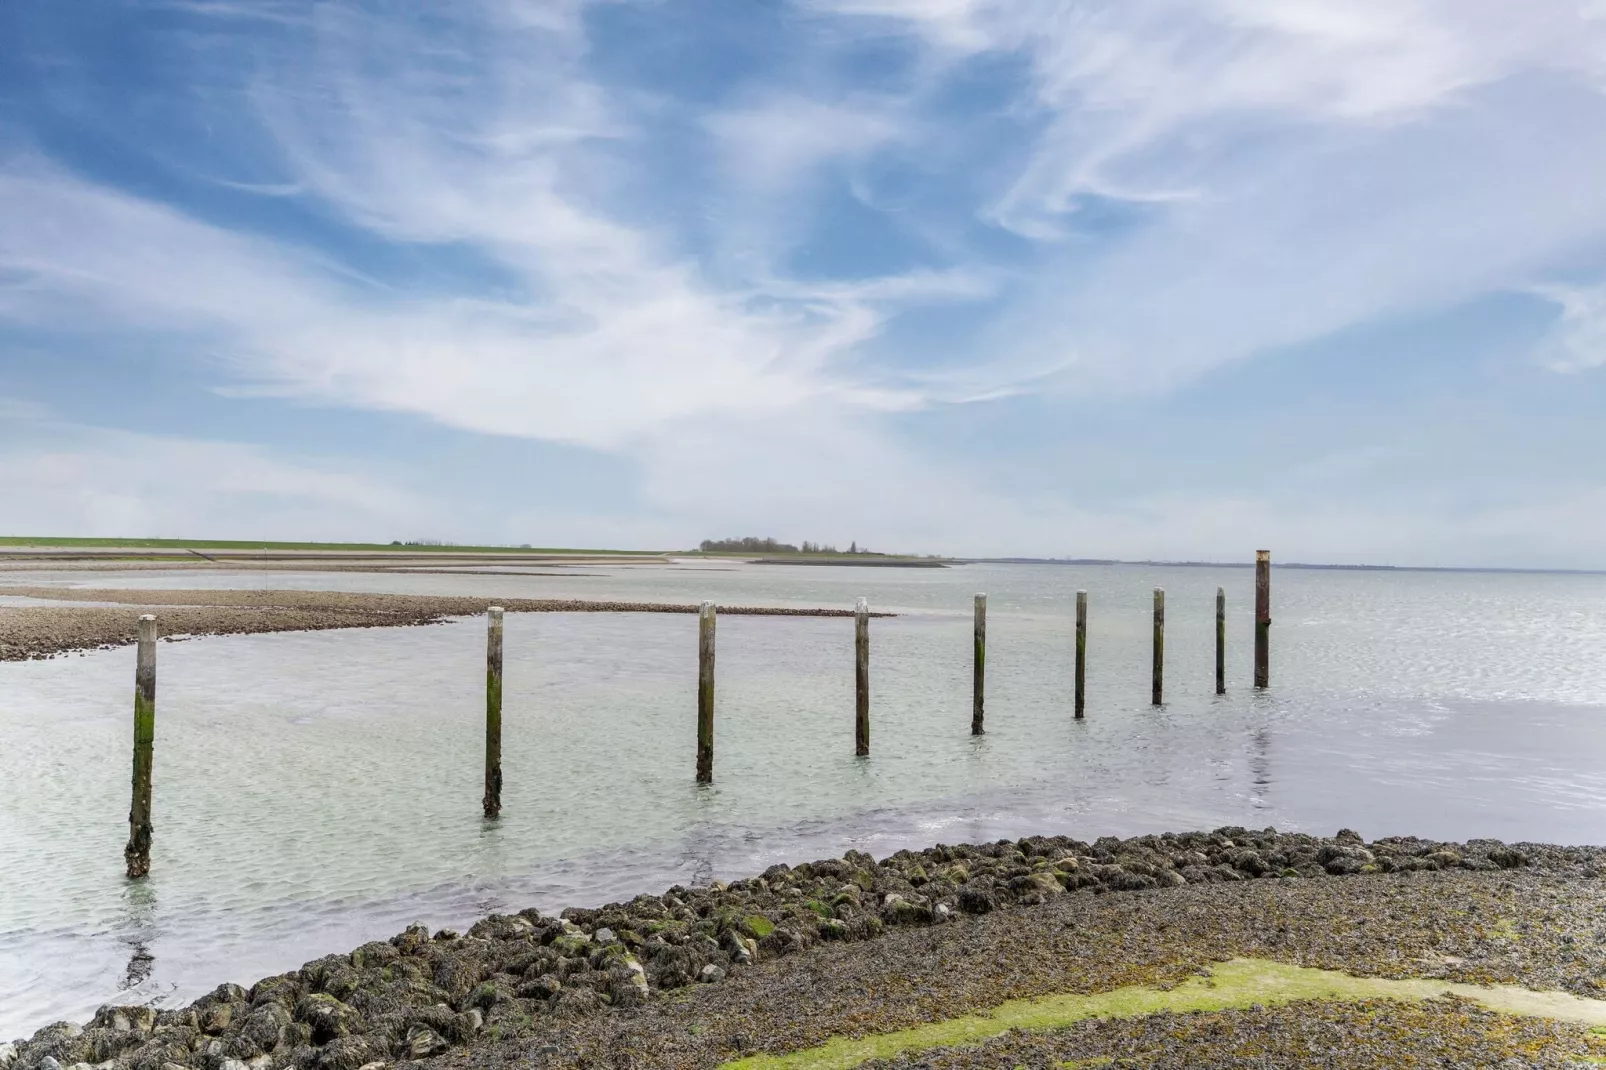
<point>757,926</point>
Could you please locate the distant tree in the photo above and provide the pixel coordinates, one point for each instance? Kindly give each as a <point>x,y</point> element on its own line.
<point>853,547</point>
<point>748,544</point>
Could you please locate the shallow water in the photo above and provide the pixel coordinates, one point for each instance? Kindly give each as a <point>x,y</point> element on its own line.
<point>315,790</point>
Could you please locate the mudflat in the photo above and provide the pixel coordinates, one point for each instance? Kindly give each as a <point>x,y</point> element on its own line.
<point>31,631</point>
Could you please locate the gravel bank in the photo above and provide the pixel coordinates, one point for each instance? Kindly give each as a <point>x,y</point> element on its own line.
<point>42,631</point>
<point>784,961</point>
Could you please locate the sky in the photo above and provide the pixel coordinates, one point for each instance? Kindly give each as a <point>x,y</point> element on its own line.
<point>1169,279</point>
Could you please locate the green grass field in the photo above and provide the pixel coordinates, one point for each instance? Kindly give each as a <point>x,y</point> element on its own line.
<point>244,544</point>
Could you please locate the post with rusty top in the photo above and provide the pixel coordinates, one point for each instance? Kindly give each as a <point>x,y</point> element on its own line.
<point>493,711</point>
<point>1157,688</point>
<point>705,693</point>
<point>1221,641</point>
<point>137,854</point>
<point>1262,618</point>
<point>861,678</point>
<point>1081,654</point>
<point>978,679</point>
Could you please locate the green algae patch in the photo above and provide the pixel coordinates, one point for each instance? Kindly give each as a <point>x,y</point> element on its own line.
<point>1231,985</point>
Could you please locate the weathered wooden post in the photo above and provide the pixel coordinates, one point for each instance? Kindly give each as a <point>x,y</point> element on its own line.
<point>493,711</point>
<point>1262,618</point>
<point>1158,683</point>
<point>978,680</point>
<point>861,678</point>
<point>1221,641</point>
<point>138,852</point>
<point>1081,653</point>
<point>705,693</point>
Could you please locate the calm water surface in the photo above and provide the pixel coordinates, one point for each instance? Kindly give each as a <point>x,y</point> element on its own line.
<point>316,790</point>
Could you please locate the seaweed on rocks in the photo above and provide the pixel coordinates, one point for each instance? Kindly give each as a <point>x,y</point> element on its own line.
<point>420,994</point>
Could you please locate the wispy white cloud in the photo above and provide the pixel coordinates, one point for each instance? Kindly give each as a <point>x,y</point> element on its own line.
<point>1277,173</point>
<point>58,476</point>
<point>1577,340</point>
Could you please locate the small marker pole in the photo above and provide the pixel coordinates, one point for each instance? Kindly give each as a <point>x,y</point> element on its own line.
<point>493,711</point>
<point>1158,681</point>
<point>1262,618</point>
<point>705,693</point>
<point>861,678</point>
<point>1221,641</point>
<point>1081,654</point>
<point>137,854</point>
<point>978,681</point>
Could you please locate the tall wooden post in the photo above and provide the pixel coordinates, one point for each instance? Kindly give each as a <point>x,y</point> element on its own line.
<point>493,711</point>
<point>1262,618</point>
<point>978,679</point>
<point>1221,641</point>
<point>705,693</point>
<point>861,678</point>
<point>1081,654</point>
<point>137,854</point>
<point>1158,682</point>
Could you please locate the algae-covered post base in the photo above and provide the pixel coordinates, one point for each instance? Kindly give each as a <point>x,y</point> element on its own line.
<point>493,711</point>
<point>705,693</point>
<point>861,678</point>
<point>1262,618</point>
<point>137,854</point>
<point>1221,641</point>
<point>978,682</point>
<point>1081,654</point>
<point>1157,682</point>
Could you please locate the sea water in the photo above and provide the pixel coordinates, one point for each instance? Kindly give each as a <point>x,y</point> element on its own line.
<point>316,790</point>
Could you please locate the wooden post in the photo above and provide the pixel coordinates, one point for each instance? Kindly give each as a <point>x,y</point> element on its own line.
<point>978,679</point>
<point>137,854</point>
<point>1221,641</point>
<point>1262,618</point>
<point>705,693</point>
<point>1081,653</point>
<point>493,711</point>
<point>861,678</point>
<point>1158,682</point>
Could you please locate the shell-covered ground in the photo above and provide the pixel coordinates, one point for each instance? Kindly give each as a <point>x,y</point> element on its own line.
<point>784,962</point>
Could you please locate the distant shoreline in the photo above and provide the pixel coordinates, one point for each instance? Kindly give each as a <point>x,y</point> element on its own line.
<point>1291,565</point>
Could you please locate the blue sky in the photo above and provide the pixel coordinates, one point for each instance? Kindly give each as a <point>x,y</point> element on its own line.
<point>1134,278</point>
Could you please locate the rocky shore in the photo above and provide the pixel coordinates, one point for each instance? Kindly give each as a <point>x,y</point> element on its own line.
<point>784,961</point>
<point>28,632</point>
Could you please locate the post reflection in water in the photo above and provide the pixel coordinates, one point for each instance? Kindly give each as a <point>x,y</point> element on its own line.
<point>137,932</point>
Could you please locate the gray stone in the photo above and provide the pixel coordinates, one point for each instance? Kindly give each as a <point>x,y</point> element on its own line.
<point>8,1055</point>
<point>711,974</point>
<point>604,935</point>
<point>423,1042</point>
<point>49,1063</point>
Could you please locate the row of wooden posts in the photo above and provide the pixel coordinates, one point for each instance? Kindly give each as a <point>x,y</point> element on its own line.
<point>138,852</point>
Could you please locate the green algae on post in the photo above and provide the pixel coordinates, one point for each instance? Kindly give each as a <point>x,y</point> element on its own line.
<point>137,855</point>
<point>1232,985</point>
